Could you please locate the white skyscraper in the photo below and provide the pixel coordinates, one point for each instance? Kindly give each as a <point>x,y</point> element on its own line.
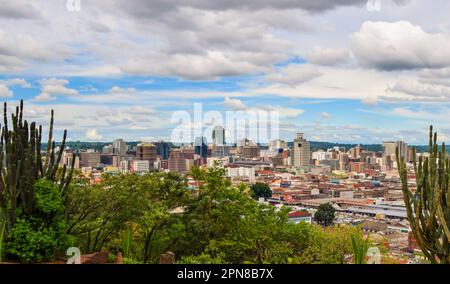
<point>120,147</point>
<point>218,135</point>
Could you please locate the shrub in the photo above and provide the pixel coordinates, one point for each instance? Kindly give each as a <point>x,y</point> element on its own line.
<point>43,235</point>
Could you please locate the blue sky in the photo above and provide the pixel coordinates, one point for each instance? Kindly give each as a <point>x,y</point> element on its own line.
<point>332,69</point>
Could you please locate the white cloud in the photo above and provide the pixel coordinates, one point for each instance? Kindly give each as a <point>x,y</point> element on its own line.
<point>13,9</point>
<point>420,91</point>
<point>234,104</point>
<point>16,82</point>
<point>50,88</point>
<point>327,56</point>
<point>92,134</point>
<point>119,90</point>
<point>5,92</point>
<point>325,115</point>
<point>399,45</point>
<point>294,74</point>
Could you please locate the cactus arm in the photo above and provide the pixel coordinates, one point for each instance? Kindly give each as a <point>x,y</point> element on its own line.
<point>440,214</point>
<point>49,144</point>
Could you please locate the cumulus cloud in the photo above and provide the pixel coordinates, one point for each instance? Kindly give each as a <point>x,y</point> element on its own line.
<point>398,46</point>
<point>13,9</point>
<point>16,82</point>
<point>53,87</point>
<point>157,7</point>
<point>10,64</point>
<point>5,92</point>
<point>327,56</point>
<point>418,91</point>
<point>294,74</point>
<point>234,104</point>
<point>92,134</point>
<point>325,115</point>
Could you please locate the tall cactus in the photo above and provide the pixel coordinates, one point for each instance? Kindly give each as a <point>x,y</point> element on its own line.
<point>428,206</point>
<point>21,164</point>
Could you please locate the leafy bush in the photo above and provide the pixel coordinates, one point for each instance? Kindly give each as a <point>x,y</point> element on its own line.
<point>42,236</point>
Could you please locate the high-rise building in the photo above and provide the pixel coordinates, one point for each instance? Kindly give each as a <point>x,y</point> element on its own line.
<point>403,149</point>
<point>146,152</point>
<point>302,152</point>
<point>201,147</point>
<point>177,161</point>
<point>120,147</point>
<point>89,159</point>
<point>218,135</point>
<point>67,157</point>
<point>389,152</point>
<point>162,150</point>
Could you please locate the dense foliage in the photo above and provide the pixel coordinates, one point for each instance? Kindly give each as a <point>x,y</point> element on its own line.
<point>148,215</point>
<point>41,236</point>
<point>261,190</point>
<point>325,214</point>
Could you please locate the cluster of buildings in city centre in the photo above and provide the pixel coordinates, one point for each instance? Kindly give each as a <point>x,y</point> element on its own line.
<point>362,185</point>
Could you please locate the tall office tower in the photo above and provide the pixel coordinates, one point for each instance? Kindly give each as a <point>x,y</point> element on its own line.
<point>120,147</point>
<point>177,161</point>
<point>357,151</point>
<point>343,161</point>
<point>389,153</point>
<point>89,159</point>
<point>302,152</point>
<point>67,157</point>
<point>162,149</point>
<point>218,135</point>
<point>201,147</point>
<point>403,149</point>
<point>146,152</point>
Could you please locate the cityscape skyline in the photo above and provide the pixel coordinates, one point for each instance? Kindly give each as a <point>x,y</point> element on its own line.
<point>333,76</point>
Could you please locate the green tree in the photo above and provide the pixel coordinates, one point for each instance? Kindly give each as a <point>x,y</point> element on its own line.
<point>330,245</point>
<point>325,214</point>
<point>100,215</point>
<point>42,236</point>
<point>261,190</point>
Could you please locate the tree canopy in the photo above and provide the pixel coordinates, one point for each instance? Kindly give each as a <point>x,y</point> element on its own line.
<point>261,190</point>
<point>325,215</point>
